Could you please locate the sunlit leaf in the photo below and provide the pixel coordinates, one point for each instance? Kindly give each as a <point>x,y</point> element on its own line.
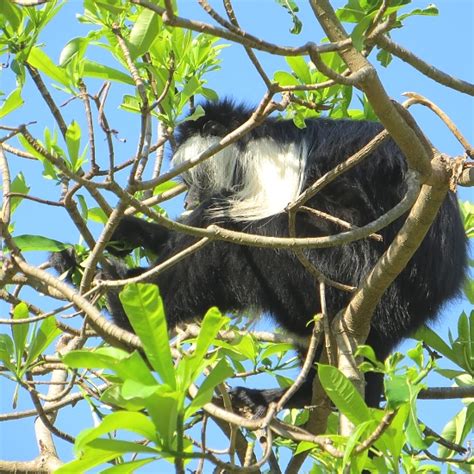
<point>11,103</point>
<point>28,243</point>
<point>343,394</point>
<point>20,331</point>
<point>144,308</point>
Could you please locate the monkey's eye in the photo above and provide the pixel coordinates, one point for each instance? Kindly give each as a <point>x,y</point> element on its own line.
<point>213,128</point>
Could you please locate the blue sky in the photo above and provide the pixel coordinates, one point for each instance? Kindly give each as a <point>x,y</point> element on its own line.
<point>446,41</point>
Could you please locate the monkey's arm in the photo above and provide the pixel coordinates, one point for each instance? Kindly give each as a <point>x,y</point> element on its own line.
<point>133,232</point>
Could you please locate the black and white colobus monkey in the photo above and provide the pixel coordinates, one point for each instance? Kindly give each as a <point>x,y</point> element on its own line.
<point>247,186</point>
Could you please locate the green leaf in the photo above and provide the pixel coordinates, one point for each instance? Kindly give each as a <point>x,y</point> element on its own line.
<point>211,324</point>
<point>343,394</point>
<point>42,338</point>
<point>450,373</point>
<point>277,348</point>
<point>163,187</point>
<point>122,447</point>
<point>209,94</point>
<point>144,308</point>
<point>359,30</point>
<point>384,57</point>
<point>11,103</point>
<point>41,61</point>
<point>134,389</point>
<point>190,88</point>
<point>351,12</point>
<point>99,71</point>
<point>394,438</point>
<point>73,142</point>
<point>368,353</point>
<point>246,347</point>
<point>101,358</point>
<point>198,112</point>
<point>300,67</point>
<point>13,14</point>
<point>144,32</point>
<point>284,78</point>
<point>18,186</point>
<point>96,214</point>
<point>20,331</point>
<point>130,103</point>
<point>455,430</point>
<point>428,336</point>
<point>127,467</point>
<point>28,243</point>
<point>73,48</point>
<point>414,431</point>
<point>49,171</point>
<point>292,8</point>
<point>219,373</point>
<point>7,351</point>
<point>89,459</point>
<point>469,289</point>
<point>430,10</point>
<point>126,366</point>
<point>397,390</point>
<point>83,206</point>
<point>121,420</point>
<point>355,438</point>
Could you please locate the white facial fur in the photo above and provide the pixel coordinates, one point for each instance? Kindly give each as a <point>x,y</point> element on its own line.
<point>272,175</point>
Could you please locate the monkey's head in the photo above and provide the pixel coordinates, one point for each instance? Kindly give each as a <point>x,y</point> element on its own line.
<point>220,174</point>
<point>241,179</point>
<point>218,120</point>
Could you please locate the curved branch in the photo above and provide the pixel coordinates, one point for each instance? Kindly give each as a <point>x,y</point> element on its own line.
<point>425,68</point>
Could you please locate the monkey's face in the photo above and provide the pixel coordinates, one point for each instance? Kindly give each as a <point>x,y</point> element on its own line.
<point>212,177</point>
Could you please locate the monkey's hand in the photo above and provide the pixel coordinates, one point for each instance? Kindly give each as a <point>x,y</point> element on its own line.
<point>132,233</point>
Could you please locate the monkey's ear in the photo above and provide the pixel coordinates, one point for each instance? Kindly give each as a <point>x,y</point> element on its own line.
<point>213,128</point>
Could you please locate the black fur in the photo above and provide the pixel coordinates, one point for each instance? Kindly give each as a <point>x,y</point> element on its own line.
<point>237,278</point>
